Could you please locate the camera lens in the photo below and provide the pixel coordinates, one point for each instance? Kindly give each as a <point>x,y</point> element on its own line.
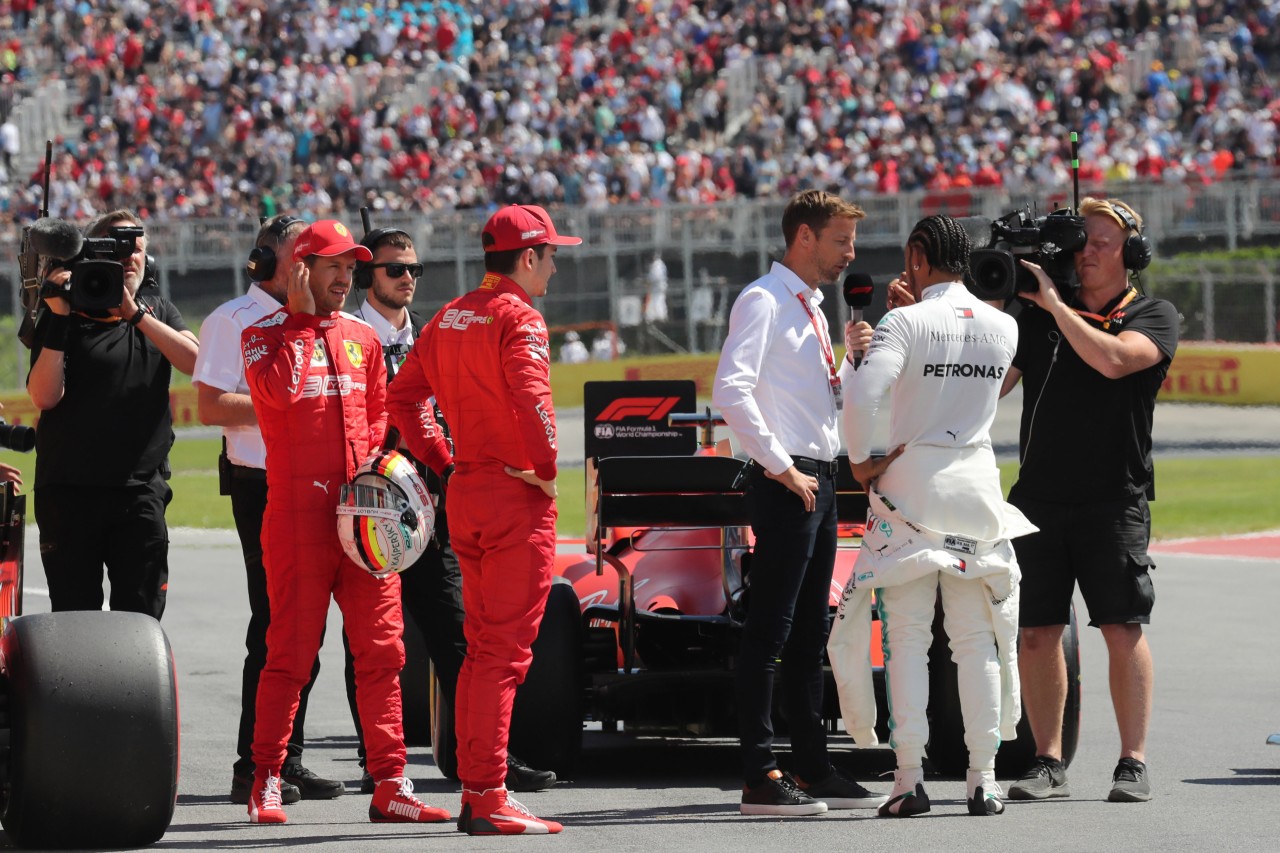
<point>19,438</point>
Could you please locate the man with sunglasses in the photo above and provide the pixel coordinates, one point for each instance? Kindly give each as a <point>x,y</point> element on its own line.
<point>431,589</point>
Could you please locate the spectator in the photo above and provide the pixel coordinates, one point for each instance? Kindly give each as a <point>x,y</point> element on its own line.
<point>573,350</point>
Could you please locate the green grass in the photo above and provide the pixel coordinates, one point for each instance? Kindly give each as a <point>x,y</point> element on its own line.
<point>1198,496</point>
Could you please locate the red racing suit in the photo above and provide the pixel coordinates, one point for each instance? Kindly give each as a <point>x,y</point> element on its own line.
<point>485,358</point>
<point>318,385</point>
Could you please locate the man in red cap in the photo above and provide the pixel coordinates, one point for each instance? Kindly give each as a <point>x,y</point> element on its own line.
<point>318,383</point>
<point>486,360</point>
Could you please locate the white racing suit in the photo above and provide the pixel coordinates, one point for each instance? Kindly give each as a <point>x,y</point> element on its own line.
<point>938,519</point>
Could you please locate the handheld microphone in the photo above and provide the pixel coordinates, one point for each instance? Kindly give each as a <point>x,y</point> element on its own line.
<point>56,238</point>
<point>858,291</point>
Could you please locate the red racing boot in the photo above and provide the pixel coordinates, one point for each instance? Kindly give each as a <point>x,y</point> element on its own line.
<point>394,802</point>
<point>264,801</point>
<point>495,812</point>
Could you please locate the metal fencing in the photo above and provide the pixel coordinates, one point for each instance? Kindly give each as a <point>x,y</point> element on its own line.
<point>711,252</point>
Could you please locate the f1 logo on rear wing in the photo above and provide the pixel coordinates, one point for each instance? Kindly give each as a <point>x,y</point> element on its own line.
<point>629,418</point>
<point>649,408</point>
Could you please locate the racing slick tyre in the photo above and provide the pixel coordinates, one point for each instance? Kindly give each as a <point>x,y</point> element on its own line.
<point>94,691</point>
<point>946,749</point>
<point>546,722</point>
<point>444,738</point>
<point>416,682</point>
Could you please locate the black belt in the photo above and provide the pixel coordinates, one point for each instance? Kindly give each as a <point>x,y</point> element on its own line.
<point>244,472</point>
<point>816,467</point>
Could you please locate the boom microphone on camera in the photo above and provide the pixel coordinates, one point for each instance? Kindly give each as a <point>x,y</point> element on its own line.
<point>56,238</point>
<point>858,290</point>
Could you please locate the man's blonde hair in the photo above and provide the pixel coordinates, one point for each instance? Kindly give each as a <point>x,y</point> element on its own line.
<point>816,208</point>
<point>1110,207</point>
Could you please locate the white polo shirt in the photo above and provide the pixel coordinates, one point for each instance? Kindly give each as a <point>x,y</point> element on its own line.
<point>220,364</point>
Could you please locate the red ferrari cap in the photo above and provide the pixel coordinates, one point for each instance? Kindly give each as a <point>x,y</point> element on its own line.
<point>521,226</point>
<point>327,238</point>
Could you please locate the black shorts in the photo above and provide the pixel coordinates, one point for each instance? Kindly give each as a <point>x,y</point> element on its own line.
<point>1102,546</point>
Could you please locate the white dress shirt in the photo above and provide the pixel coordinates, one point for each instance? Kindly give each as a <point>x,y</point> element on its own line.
<point>220,364</point>
<point>773,384</point>
<point>396,343</point>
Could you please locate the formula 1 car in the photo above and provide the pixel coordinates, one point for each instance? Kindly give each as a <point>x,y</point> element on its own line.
<point>91,690</point>
<point>642,631</point>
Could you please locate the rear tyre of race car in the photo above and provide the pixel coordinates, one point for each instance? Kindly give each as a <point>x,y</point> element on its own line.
<point>91,695</point>
<point>546,723</point>
<point>444,738</point>
<point>946,749</point>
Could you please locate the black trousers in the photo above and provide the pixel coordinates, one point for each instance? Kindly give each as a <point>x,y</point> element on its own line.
<point>248,505</point>
<point>431,594</point>
<point>84,528</point>
<point>788,614</point>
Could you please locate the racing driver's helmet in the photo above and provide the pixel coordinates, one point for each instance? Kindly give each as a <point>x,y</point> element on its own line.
<point>385,516</point>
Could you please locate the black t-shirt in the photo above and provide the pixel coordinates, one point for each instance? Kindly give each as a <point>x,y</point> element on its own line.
<point>1085,437</point>
<point>113,425</point>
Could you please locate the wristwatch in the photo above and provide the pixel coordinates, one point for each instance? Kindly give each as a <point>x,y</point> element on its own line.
<point>143,311</point>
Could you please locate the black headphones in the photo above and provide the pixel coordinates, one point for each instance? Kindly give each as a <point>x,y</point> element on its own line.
<point>363,278</point>
<point>261,265</point>
<point>1138,250</point>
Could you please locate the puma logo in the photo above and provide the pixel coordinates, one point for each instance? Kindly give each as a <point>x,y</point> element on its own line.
<point>320,485</point>
<point>952,434</point>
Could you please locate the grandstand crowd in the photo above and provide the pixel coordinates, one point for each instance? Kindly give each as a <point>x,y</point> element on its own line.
<point>198,108</point>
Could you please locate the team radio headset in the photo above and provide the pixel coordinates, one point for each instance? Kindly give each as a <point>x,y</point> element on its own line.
<point>262,262</point>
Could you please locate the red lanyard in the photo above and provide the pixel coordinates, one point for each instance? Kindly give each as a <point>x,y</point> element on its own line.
<point>1111,315</point>
<point>824,339</point>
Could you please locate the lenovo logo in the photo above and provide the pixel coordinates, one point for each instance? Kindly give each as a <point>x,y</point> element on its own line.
<point>650,408</point>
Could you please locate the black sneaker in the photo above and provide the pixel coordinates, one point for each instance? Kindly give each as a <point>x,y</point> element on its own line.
<point>1046,779</point>
<point>309,784</point>
<point>523,778</point>
<point>242,785</point>
<point>839,792</point>
<point>1129,783</point>
<point>367,785</point>
<point>779,796</point>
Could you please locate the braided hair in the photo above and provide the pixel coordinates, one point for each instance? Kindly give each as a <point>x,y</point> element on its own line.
<point>944,242</point>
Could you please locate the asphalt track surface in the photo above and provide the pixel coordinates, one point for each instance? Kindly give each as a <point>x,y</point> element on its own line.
<point>1215,640</point>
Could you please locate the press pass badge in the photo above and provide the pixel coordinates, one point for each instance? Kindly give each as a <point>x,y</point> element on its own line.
<point>837,392</point>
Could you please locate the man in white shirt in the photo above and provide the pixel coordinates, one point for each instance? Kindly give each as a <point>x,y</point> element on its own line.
<point>778,389</point>
<point>223,400</point>
<point>430,589</point>
<point>939,516</point>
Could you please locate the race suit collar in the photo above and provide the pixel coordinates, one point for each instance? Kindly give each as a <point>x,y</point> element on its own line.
<point>494,282</point>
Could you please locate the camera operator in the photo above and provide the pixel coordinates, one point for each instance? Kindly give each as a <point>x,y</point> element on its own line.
<point>223,400</point>
<point>102,447</point>
<point>938,361</point>
<point>1090,371</point>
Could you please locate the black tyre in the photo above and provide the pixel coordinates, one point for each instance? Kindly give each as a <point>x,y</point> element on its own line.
<point>415,687</point>
<point>946,749</point>
<point>444,738</point>
<point>546,723</point>
<point>94,691</point>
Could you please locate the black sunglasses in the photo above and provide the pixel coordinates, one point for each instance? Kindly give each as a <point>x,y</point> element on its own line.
<point>396,269</point>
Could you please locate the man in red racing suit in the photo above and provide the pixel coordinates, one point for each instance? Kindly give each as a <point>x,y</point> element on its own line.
<point>485,358</point>
<point>318,383</point>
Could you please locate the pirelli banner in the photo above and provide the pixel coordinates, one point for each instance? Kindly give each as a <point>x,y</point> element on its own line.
<point>1236,374</point>
<point>630,418</point>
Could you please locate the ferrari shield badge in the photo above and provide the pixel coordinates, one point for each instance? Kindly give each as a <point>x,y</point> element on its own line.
<point>355,353</point>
